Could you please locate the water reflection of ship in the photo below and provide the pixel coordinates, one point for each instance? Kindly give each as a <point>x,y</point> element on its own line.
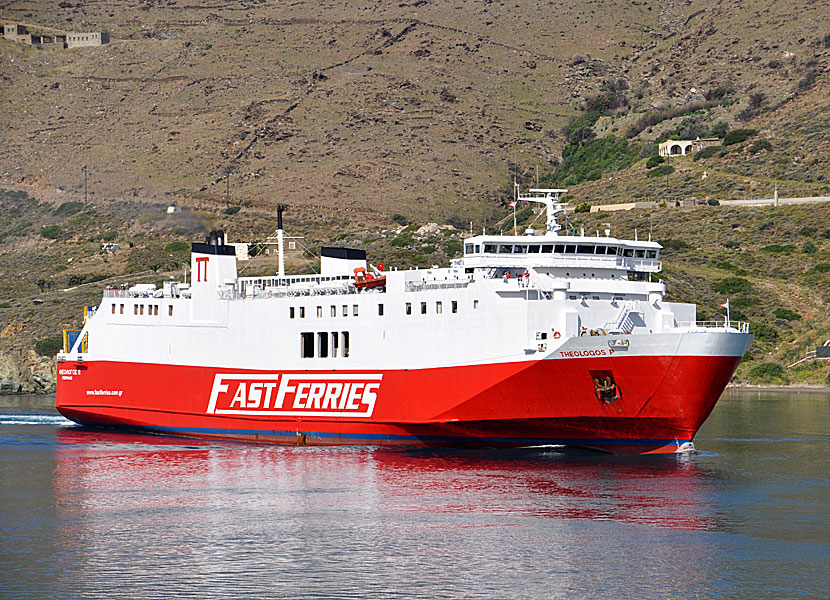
<point>548,483</point>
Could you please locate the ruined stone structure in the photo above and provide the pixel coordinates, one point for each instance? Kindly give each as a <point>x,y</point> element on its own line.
<point>20,34</point>
<point>684,147</point>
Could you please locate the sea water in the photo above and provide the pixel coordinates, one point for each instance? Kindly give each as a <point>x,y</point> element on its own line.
<point>90,513</point>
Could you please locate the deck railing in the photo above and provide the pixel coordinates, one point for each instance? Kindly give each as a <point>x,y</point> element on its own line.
<point>740,326</point>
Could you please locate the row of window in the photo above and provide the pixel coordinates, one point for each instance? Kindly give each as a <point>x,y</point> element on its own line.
<point>325,344</point>
<point>559,249</point>
<point>299,311</point>
<point>138,309</point>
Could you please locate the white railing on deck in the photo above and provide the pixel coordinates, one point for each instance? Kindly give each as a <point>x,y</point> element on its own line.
<point>739,326</point>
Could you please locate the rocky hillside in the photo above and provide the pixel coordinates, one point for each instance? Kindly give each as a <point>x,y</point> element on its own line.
<point>367,117</point>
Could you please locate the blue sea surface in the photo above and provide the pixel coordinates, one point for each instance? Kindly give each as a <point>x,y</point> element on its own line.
<point>88,513</point>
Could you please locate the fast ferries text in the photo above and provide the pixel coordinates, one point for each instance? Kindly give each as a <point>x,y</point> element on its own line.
<point>298,395</point>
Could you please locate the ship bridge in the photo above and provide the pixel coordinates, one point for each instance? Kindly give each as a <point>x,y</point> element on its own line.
<point>539,252</point>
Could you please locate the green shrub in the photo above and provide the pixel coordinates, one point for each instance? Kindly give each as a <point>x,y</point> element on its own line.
<point>49,346</point>
<point>713,202</point>
<point>654,160</point>
<point>51,232</point>
<point>744,301</point>
<point>177,246</point>
<point>766,225</point>
<point>736,136</point>
<point>732,285</point>
<point>808,231</point>
<point>231,210</point>
<point>585,207</point>
<point>452,247</point>
<point>108,236</point>
<point>762,331</point>
<point>767,370</point>
<point>759,145</point>
<point>706,153</point>
<point>69,208</point>
<point>661,170</point>
<point>587,161</point>
<point>675,245</point>
<point>778,248</point>
<point>5,305</point>
<point>402,240</point>
<point>399,219</point>
<point>809,247</point>
<point>786,314</point>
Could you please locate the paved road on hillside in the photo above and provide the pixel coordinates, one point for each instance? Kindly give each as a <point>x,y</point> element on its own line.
<point>770,201</point>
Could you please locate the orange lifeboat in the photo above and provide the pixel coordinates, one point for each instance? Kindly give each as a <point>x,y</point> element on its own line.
<point>364,280</point>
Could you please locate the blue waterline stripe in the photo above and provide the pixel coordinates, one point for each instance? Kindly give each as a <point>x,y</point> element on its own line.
<point>404,437</point>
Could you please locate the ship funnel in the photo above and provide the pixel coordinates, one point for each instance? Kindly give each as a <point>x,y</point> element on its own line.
<point>215,238</point>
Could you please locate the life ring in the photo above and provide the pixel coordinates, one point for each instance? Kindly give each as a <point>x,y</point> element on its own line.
<point>507,274</point>
<point>556,335</point>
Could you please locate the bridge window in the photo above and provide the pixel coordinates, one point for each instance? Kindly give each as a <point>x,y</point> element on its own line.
<point>583,249</point>
<point>307,344</point>
<point>547,248</point>
<point>490,249</point>
<point>628,252</point>
<point>505,249</point>
<point>600,250</point>
<point>559,248</point>
<point>570,249</point>
<point>468,248</point>
<point>533,249</point>
<point>651,254</point>
<point>639,253</point>
<point>519,249</point>
<point>478,249</point>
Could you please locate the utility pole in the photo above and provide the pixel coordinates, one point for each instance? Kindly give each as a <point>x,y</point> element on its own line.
<point>84,169</point>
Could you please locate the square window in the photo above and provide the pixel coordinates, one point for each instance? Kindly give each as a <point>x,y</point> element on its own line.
<point>170,311</point>
<point>322,345</point>
<point>333,310</point>
<point>113,309</point>
<point>319,312</point>
<point>380,310</point>
<point>302,312</point>
<point>121,309</point>
<point>334,344</point>
<point>423,308</point>
<point>354,310</point>
<point>438,308</point>
<point>307,344</point>
<point>455,306</point>
<point>475,303</point>
<point>345,310</point>
<point>409,308</point>
<point>290,312</point>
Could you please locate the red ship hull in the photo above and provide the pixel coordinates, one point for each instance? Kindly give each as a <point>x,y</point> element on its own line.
<point>659,402</point>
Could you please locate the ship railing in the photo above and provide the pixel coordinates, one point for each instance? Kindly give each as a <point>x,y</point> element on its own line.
<point>419,286</point>
<point>739,326</point>
<point>257,293</point>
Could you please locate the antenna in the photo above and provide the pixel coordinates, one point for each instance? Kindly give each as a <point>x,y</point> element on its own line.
<point>280,209</point>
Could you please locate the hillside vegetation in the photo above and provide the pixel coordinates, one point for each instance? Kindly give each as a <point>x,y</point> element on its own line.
<point>371,120</point>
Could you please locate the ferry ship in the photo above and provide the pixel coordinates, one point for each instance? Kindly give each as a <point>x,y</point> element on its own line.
<point>560,338</point>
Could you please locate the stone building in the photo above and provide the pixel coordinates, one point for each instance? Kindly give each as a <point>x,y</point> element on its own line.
<point>684,147</point>
<point>21,34</point>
